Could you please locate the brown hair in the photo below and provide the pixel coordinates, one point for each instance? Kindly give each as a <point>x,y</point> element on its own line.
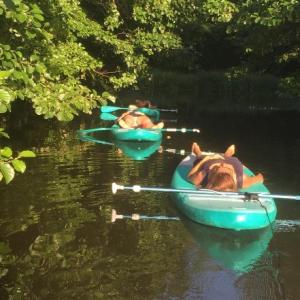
<point>220,181</point>
<point>143,103</point>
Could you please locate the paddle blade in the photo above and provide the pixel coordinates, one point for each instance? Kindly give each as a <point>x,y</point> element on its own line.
<point>108,109</point>
<point>107,117</point>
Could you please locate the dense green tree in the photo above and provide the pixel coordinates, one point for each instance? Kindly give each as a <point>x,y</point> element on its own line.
<point>67,56</point>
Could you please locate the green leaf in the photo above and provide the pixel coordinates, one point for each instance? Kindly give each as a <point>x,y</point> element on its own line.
<point>4,134</point>
<point>6,152</point>
<point>19,165</point>
<point>3,108</point>
<point>21,17</point>
<point>5,74</point>
<point>7,171</point>
<point>5,96</point>
<point>108,96</point>
<point>27,153</point>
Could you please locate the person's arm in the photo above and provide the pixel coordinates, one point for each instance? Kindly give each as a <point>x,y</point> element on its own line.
<point>145,122</point>
<point>250,180</point>
<point>196,178</point>
<point>121,122</point>
<point>123,115</point>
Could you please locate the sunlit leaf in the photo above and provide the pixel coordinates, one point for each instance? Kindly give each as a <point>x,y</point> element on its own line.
<point>19,165</point>
<point>4,96</point>
<point>7,171</point>
<point>6,152</point>
<point>27,153</point>
<point>5,74</point>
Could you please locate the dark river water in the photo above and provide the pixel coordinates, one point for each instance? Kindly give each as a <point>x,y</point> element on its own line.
<point>57,240</point>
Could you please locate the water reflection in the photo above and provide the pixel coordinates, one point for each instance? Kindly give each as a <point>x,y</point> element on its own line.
<point>234,250</point>
<point>57,241</point>
<point>132,149</point>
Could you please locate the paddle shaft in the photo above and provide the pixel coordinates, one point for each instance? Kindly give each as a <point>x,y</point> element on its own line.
<point>136,217</point>
<point>183,130</point>
<point>111,117</point>
<point>184,152</point>
<point>108,109</point>
<point>206,193</point>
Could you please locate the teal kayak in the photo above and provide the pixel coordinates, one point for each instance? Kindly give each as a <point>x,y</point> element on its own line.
<point>222,211</point>
<point>138,134</point>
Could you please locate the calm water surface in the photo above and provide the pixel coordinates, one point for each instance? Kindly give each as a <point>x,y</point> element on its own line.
<point>57,240</point>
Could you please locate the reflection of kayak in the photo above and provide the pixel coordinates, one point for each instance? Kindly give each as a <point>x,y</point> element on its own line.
<point>237,251</point>
<point>138,134</point>
<point>222,211</point>
<point>138,150</point>
<point>133,149</point>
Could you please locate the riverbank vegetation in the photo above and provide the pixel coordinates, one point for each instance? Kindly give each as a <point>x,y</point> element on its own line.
<point>70,56</point>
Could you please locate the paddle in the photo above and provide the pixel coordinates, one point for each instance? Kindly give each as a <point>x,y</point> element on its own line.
<point>111,117</point>
<point>108,117</point>
<point>87,138</point>
<point>183,130</point>
<point>109,109</point>
<point>237,196</point>
<point>184,152</point>
<point>135,217</point>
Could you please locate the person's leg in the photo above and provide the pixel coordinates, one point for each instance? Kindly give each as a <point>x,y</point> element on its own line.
<point>159,125</point>
<point>230,151</point>
<point>123,124</point>
<point>196,149</point>
<point>250,180</point>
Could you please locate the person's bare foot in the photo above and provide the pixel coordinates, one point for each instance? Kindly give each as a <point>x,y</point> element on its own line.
<point>260,178</point>
<point>123,124</point>
<point>196,149</point>
<point>230,151</point>
<point>159,125</point>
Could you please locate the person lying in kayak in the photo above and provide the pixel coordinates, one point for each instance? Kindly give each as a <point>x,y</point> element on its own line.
<point>141,104</point>
<point>136,119</point>
<point>220,172</point>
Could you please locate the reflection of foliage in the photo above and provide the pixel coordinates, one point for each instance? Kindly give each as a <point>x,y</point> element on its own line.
<point>57,243</point>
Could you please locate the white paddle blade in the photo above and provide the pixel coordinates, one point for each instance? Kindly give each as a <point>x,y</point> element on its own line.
<point>115,216</point>
<point>115,187</point>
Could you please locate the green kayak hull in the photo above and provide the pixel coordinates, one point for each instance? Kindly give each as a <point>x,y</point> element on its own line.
<point>138,134</point>
<point>222,212</point>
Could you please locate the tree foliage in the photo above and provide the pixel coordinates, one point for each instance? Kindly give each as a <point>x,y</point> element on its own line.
<point>8,163</point>
<point>67,56</point>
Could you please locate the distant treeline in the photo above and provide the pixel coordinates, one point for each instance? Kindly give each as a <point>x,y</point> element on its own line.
<point>217,91</point>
